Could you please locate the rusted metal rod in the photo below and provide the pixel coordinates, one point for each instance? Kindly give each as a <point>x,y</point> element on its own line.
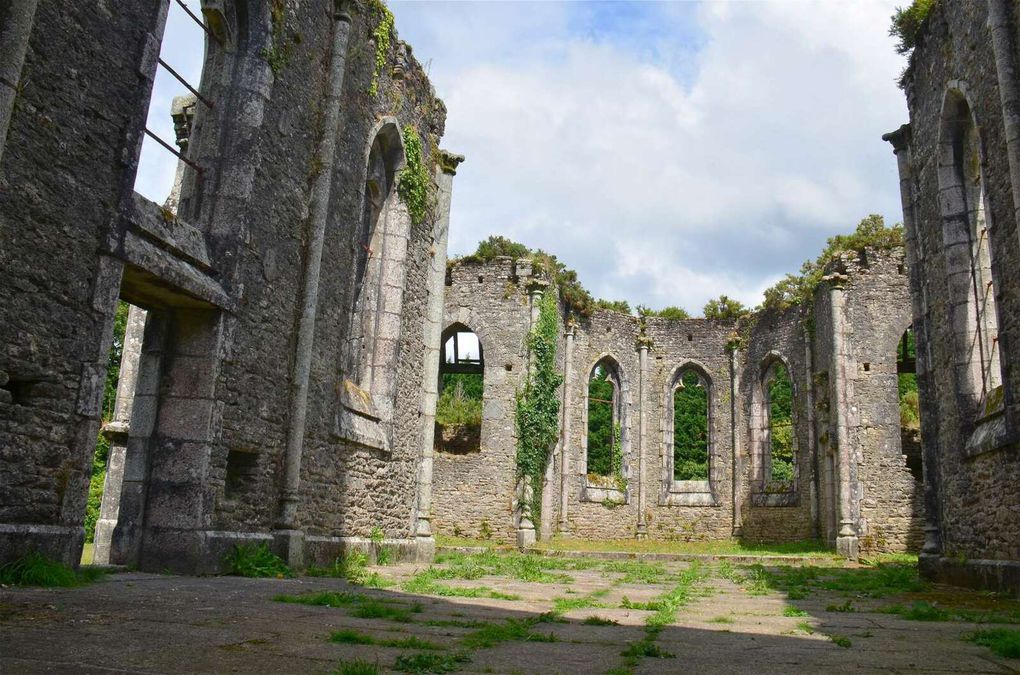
<point>166,145</point>
<point>201,23</point>
<point>180,79</point>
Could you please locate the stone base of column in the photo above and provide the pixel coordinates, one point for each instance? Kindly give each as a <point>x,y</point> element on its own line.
<point>848,547</point>
<point>57,542</point>
<point>103,541</point>
<point>290,545</point>
<point>526,536</point>
<point>642,531</point>
<point>425,549</point>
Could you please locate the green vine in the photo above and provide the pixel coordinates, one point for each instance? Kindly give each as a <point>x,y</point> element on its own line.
<point>278,54</point>
<point>414,185</point>
<point>538,404</point>
<point>381,35</point>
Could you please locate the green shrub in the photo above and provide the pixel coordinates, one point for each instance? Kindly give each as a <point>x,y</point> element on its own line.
<point>356,667</point>
<point>35,569</point>
<point>256,560</point>
<point>907,22</point>
<point>1004,642</point>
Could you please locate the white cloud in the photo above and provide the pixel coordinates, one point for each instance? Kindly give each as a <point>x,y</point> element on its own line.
<point>661,184</point>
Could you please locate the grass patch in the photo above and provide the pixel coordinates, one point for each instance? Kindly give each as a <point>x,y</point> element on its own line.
<point>510,630</point>
<point>599,621</point>
<point>668,604</point>
<point>794,611</point>
<point>1003,642</point>
<point>352,566</point>
<point>645,648</point>
<point>841,640</point>
<point>256,560</point>
<point>637,571</point>
<point>846,607</point>
<point>425,583</point>
<point>425,662</point>
<point>356,667</point>
<point>35,569</point>
<point>376,609</point>
<point>352,637</point>
<point>722,619</point>
<point>561,605</point>
<point>923,610</point>
<point>363,607</point>
<point>806,627</point>
<point>806,548</point>
<point>876,581</point>
<point>520,566</point>
<point>324,599</point>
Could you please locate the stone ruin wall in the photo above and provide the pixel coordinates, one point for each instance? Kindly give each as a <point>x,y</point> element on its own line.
<point>966,50</point>
<point>223,283</point>
<point>885,508</point>
<point>474,492</point>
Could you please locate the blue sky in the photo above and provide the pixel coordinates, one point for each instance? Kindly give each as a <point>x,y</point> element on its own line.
<point>669,152</point>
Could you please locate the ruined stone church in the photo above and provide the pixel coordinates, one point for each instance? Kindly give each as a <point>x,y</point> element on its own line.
<point>293,316</point>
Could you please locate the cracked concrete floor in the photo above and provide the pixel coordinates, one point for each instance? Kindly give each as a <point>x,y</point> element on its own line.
<point>147,623</point>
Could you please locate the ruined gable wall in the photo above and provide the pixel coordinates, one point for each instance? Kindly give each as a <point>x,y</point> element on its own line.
<point>977,495</point>
<point>768,516</point>
<point>887,497</point>
<point>474,492</point>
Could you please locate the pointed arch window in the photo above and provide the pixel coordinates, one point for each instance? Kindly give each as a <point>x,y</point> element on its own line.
<point>966,238</point>
<point>372,347</point>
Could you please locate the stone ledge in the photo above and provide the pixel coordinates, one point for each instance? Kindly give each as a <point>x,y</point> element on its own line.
<point>992,433</point>
<point>997,575</point>
<point>322,551</point>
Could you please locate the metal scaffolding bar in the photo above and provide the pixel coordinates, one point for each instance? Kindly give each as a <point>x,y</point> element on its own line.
<point>180,79</point>
<point>166,145</point>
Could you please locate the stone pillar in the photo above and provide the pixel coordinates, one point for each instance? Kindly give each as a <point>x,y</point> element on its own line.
<point>433,338</point>
<point>117,431</point>
<point>1006,68</point>
<point>809,420</point>
<point>526,525</point>
<point>643,343</point>
<point>288,534</point>
<point>737,463</point>
<point>126,538</point>
<point>846,539</point>
<point>182,111</point>
<point>16,18</point>
<point>900,140</point>
<point>565,439</point>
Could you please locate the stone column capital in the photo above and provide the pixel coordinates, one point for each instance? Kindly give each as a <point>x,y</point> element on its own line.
<point>536,286</point>
<point>836,280</point>
<point>643,343</point>
<point>448,161</point>
<point>900,139</point>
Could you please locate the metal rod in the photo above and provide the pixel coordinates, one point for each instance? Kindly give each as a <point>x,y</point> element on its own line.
<point>180,79</point>
<point>200,23</point>
<point>166,145</point>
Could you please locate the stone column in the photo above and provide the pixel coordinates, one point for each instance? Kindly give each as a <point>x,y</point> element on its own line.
<point>433,338</point>
<point>642,343</point>
<point>737,464</point>
<point>809,420</point>
<point>900,140</point>
<point>16,18</point>
<point>117,432</point>
<point>182,112</point>
<point>846,539</point>
<point>565,439</point>
<point>1006,68</point>
<point>526,525</point>
<point>288,531</point>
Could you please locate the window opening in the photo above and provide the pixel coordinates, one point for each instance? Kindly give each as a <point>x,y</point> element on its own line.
<point>779,427</point>
<point>690,427</point>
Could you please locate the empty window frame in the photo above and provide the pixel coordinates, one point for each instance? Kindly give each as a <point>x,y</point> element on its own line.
<point>604,449</point>
<point>690,457</point>
<point>461,392</point>
<point>778,433</point>
<point>966,239</point>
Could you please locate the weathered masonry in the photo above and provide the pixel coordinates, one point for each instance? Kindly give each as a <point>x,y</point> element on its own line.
<point>959,164</point>
<point>835,465</point>
<point>277,386</point>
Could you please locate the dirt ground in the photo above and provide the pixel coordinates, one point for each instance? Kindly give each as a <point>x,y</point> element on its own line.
<point>650,618</point>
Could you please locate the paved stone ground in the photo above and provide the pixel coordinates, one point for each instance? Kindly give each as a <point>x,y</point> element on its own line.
<point>146,623</point>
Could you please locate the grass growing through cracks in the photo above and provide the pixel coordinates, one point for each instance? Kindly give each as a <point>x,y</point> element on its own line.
<point>1003,642</point>
<point>362,606</point>
<point>350,636</point>
<point>424,662</point>
<point>926,611</point>
<point>35,569</point>
<point>356,667</point>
